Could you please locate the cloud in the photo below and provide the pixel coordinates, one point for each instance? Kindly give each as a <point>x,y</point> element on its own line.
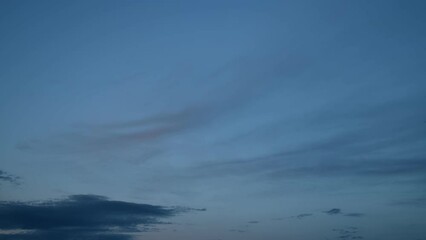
<point>224,91</point>
<point>414,202</point>
<point>348,233</point>
<point>369,144</point>
<point>280,166</point>
<point>338,211</point>
<point>354,215</point>
<point>303,215</point>
<point>373,168</point>
<point>80,217</point>
<point>333,211</point>
<point>64,234</point>
<point>92,138</point>
<point>352,139</point>
<point>236,84</point>
<point>7,177</point>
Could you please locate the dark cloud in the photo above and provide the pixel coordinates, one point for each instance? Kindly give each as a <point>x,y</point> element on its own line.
<point>80,217</point>
<point>338,211</point>
<point>64,234</point>
<point>333,211</point>
<point>7,177</point>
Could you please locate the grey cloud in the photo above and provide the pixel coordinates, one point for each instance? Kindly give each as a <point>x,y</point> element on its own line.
<point>80,217</point>
<point>7,177</point>
<point>333,211</point>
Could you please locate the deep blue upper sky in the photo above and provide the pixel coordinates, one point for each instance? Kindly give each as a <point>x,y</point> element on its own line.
<point>300,120</point>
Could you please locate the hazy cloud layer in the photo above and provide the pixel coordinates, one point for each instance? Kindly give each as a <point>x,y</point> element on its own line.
<point>80,217</point>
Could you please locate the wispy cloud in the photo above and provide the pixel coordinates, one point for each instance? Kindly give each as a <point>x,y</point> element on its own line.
<point>283,166</point>
<point>230,87</point>
<point>303,215</point>
<point>80,217</point>
<point>7,177</point>
<point>348,233</point>
<point>379,140</point>
<point>89,138</point>
<point>333,211</point>
<point>413,202</point>
<point>338,211</point>
<point>354,214</point>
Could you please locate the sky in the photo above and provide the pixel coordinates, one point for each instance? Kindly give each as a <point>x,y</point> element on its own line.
<point>212,120</point>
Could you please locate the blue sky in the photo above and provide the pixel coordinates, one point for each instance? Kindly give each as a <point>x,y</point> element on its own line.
<point>212,120</point>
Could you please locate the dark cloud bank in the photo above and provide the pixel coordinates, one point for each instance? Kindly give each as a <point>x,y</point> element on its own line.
<point>83,217</point>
